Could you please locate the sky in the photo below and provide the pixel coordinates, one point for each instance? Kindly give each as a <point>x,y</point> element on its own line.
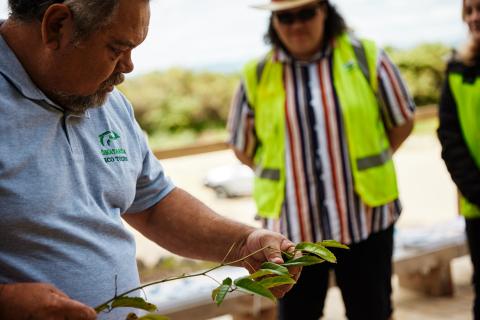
<point>221,35</point>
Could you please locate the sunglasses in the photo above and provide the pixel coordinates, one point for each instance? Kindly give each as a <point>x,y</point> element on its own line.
<point>303,15</point>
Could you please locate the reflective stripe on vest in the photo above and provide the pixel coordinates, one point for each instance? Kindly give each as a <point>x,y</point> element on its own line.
<point>373,161</point>
<point>372,167</point>
<point>467,99</point>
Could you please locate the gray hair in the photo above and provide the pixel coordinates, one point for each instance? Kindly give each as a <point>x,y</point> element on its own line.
<point>88,15</point>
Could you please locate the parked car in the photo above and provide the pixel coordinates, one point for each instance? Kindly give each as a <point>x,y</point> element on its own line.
<point>230,181</point>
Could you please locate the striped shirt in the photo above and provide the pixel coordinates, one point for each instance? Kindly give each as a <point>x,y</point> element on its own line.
<point>320,201</point>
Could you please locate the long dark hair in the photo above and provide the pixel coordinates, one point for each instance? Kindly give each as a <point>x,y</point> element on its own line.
<point>335,25</point>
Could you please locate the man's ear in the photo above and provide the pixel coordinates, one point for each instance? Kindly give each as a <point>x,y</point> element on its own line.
<point>57,26</point>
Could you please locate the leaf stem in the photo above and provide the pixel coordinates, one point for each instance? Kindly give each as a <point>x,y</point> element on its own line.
<point>204,273</point>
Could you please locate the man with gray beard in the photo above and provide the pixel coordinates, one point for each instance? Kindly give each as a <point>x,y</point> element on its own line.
<point>74,163</point>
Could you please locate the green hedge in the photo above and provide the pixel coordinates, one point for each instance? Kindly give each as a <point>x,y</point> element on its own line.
<point>186,104</point>
<point>423,68</point>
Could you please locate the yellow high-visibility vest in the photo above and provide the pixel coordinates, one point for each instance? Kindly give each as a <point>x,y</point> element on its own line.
<point>369,148</point>
<point>467,99</point>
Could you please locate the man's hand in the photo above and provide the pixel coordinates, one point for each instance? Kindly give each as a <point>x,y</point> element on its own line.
<point>39,301</point>
<point>274,243</point>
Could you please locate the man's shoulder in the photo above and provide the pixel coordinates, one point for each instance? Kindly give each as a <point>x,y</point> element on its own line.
<point>5,84</point>
<point>10,95</point>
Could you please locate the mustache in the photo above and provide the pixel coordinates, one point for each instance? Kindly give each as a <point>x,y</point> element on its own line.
<point>114,80</point>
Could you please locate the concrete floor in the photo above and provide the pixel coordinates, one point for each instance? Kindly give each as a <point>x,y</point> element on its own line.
<point>428,197</point>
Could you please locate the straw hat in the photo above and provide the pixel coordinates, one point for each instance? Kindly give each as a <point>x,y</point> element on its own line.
<point>279,5</point>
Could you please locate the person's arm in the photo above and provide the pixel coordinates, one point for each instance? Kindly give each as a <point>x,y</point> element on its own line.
<point>183,225</point>
<point>241,126</point>
<point>397,105</point>
<point>460,164</point>
<point>41,301</point>
<point>397,135</point>
<point>243,158</point>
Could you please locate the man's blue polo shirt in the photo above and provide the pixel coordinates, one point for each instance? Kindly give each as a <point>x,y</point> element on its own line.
<point>65,181</point>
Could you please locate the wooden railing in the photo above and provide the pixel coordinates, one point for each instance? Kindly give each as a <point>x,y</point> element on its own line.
<point>190,150</point>
<point>422,113</point>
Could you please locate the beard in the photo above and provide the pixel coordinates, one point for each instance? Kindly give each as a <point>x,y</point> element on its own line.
<point>79,104</point>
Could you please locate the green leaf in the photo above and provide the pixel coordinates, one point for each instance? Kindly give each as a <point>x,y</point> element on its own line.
<point>303,261</point>
<point>250,286</point>
<point>287,256</point>
<point>261,273</point>
<point>317,250</point>
<point>152,316</point>
<point>271,282</point>
<point>101,308</point>
<point>133,302</point>
<point>332,244</point>
<point>218,294</point>
<point>275,268</point>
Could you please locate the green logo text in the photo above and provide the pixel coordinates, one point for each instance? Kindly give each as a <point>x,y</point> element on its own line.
<point>114,154</point>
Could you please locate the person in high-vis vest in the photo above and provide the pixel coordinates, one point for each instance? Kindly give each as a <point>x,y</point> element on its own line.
<point>459,134</point>
<point>318,119</point>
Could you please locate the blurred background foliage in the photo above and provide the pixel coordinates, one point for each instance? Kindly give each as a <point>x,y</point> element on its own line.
<point>179,107</point>
<point>423,68</point>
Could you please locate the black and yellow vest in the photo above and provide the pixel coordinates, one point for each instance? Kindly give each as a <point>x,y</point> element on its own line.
<point>467,98</point>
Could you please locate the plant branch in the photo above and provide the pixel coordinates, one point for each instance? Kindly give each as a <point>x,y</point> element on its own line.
<point>204,273</point>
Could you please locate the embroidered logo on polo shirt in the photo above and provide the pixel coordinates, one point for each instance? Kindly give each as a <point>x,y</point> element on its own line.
<point>107,137</point>
<point>110,153</point>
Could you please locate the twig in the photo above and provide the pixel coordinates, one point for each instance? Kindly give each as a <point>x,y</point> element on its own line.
<point>204,273</point>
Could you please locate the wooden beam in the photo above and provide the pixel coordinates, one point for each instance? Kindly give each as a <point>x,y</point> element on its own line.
<point>191,150</point>
<point>421,113</point>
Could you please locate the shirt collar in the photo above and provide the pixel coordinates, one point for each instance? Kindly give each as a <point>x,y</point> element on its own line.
<point>281,55</point>
<point>12,69</point>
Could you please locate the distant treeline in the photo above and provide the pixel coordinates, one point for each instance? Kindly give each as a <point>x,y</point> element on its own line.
<point>190,104</point>
<point>423,67</point>
<point>177,106</point>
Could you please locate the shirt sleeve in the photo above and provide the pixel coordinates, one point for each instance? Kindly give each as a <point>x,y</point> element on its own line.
<point>241,124</point>
<point>397,105</point>
<point>152,183</point>
<point>460,164</point>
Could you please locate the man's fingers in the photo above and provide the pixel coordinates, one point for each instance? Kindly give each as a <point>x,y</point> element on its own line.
<point>273,252</point>
<point>41,301</point>
<point>54,290</point>
<point>295,272</point>
<point>251,265</point>
<point>273,244</point>
<point>74,310</point>
<point>280,291</point>
<point>287,246</point>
